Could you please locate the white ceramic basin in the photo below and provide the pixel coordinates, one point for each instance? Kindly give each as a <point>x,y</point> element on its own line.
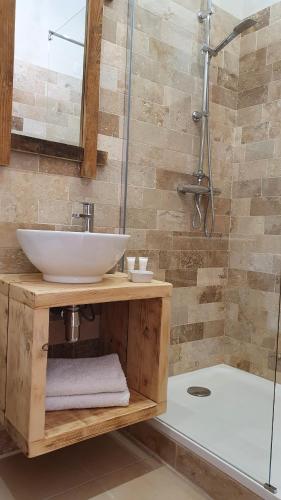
<point>68,257</point>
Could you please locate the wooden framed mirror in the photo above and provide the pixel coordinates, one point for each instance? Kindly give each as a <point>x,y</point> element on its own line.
<point>61,135</point>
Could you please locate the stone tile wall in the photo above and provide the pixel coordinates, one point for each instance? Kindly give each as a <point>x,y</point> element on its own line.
<point>255,236</point>
<point>46,104</point>
<point>164,151</point>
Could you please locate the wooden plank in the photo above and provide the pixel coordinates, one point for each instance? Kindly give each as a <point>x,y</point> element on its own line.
<point>148,340</point>
<point>91,87</point>
<point>6,279</point>
<point>64,428</point>
<point>114,330</point>
<point>53,149</point>
<point>28,330</point>
<point>7,30</point>
<point>42,294</point>
<point>4,304</point>
<point>46,148</point>
<point>2,417</point>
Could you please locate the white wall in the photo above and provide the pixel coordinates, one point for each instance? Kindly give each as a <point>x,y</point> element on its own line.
<point>33,20</point>
<point>244,8</point>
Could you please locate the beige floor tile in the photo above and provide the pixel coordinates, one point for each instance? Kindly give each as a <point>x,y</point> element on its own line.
<point>103,487</point>
<point>92,489</point>
<point>105,454</point>
<point>159,484</point>
<point>38,478</point>
<point>52,474</point>
<point>5,493</point>
<point>146,480</point>
<point>106,468</point>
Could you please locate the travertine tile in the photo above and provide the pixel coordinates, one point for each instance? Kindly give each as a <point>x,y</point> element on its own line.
<point>246,189</point>
<point>260,150</point>
<point>255,133</point>
<point>254,61</point>
<point>171,220</point>
<point>249,115</point>
<point>211,276</point>
<point>248,225</point>
<point>273,224</point>
<point>262,19</point>
<point>213,481</point>
<point>271,186</point>
<point>261,281</point>
<point>252,97</point>
<point>265,206</point>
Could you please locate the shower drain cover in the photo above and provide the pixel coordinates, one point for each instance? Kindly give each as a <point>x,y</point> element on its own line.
<point>199,392</point>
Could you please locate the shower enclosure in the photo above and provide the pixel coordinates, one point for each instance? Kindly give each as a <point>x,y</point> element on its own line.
<point>210,166</point>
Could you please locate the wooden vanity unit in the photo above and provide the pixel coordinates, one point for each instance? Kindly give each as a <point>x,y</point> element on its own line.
<point>135,322</point>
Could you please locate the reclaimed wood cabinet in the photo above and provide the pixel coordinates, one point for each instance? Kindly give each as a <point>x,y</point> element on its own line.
<point>134,322</point>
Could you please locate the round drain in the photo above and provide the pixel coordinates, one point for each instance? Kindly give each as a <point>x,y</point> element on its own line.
<point>199,392</point>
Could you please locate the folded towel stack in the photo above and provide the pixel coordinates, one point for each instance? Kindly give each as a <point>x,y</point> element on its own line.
<point>86,383</point>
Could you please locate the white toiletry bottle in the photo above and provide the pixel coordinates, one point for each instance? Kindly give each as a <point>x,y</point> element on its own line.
<point>131,261</point>
<point>143,261</point>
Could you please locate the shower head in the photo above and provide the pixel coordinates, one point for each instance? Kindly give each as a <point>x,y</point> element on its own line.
<point>240,28</point>
<point>246,24</point>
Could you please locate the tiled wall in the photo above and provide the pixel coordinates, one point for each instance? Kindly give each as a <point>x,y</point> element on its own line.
<point>255,238</point>
<point>43,192</point>
<point>46,104</point>
<point>164,151</point>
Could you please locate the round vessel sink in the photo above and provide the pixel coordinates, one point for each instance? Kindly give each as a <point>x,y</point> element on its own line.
<point>70,257</point>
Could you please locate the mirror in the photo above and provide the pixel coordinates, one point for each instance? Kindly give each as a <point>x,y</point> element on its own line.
<point>48,69</point>
<point>52,106</point>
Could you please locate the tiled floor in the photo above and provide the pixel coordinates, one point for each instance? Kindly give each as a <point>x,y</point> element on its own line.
<point>108,467</point>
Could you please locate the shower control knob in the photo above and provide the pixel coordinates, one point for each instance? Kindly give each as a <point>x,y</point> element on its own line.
<point>196,116</point>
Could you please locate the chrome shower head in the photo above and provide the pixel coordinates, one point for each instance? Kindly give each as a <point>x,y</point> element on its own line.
<point>247,23</point>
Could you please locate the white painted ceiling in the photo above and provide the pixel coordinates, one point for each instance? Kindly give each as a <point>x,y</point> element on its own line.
<point>244,8</point>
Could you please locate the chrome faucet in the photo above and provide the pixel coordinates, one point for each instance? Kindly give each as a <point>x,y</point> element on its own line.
<point>88,217</point>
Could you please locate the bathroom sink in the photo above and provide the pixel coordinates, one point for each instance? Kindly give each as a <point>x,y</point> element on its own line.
<point>72,257</point>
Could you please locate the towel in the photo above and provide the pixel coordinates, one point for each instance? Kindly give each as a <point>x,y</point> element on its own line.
<point>101,400</point>
<point>81,376</point>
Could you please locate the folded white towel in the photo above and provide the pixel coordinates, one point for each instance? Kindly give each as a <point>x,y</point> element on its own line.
<point>88,401</point>
<point>70,377</point>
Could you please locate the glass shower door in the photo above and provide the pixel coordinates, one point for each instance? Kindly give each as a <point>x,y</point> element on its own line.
<point>274,476</point>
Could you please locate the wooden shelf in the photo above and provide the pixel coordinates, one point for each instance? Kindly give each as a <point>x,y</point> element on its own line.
<point>134,323</point>
<point>63,428</point>
<point>37,293</point>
